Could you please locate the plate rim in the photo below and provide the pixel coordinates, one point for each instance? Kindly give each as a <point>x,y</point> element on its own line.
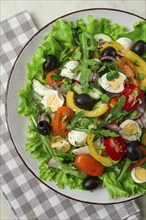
<point>6,97</point>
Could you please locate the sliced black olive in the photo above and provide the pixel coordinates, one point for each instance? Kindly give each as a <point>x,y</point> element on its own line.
<point>91,182</point>
<point>43,128</point>
<point>133,151</point>
<point>108,52</point>
<point>84,101</point>
<point>50,62</point>
<point>139,47</point>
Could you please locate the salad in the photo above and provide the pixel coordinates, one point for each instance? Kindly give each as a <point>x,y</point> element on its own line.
<point>85,100</point>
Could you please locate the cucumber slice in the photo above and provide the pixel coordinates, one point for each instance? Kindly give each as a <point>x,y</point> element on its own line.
<point>93,93</point>
<point>103,37</point>
<point>97,105</point>
<point>39,88</point>
<point>77,88</point>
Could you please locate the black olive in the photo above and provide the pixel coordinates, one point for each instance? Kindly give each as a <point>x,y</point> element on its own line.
<point>43,128</point>
<point>84,101</point>
<point>91,182</point>
<point>108,52</point>
<point>133,151</point>
<point>139,47</point>
<point>50,62</point>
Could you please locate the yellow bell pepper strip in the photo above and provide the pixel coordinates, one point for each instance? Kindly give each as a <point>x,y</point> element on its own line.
<point>143,84</point>
<point>105,161</point>
<point>117,46</point>
<point>137,59</point>
<point>143,81</point>
<point>93,113</point>
<point>140,70</point>
<point>140,66</point>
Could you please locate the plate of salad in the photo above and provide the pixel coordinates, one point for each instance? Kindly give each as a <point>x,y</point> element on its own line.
<point>78,115</point>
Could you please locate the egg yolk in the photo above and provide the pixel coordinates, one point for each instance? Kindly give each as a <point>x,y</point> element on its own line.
<point>116,83</point>
<point>129,129</point>
<point>140,174</point>
<point>53,102</point>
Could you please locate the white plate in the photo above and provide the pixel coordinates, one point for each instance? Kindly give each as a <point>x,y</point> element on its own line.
<point>17,124</point>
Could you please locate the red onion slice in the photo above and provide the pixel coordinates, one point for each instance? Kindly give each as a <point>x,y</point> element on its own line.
<point>113,127</point>
<point>100,43</point>
<point>94,77</point>
<point>142,110</point>
<point>59,89</point>
<point>112,95</point>
<point>54,86</point>
<point>143,119</point>
<point>101,140</point>
<point>75,80</point>
<point>137,116</point>
<point>108,58</point>
<point>120,54</point>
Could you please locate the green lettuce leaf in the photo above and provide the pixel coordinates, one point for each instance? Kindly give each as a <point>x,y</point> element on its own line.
<point>113,186</point>
<point>35,67</point>
<point>63,33</point>
<point>29,105</point>
<point>35,144</point>
<point>127,187</point>
<point>130,186</point>
<point>103,25</point>
<point>138,33</point>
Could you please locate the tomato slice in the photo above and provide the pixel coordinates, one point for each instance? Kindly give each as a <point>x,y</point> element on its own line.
<point>88,165</point>
<point>50,80</point>
<point>133,96</point>
<point>61,119</point>
<point>115,147</point>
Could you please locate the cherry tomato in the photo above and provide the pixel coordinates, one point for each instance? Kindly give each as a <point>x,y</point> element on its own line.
<point>112,102</point>
<point>88,165</point>
<point>133,96</point>
<point>61,119</point>
<point>115,147</point>
<point>50,80</point>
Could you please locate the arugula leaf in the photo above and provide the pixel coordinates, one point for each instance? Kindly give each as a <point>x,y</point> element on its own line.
<point>87,45</point>
<point>116,113</point>
<point>77,117</point>
<point>67,84</point>
<point>105,133</point>
<point>124,169</point>
<point>85,122</point>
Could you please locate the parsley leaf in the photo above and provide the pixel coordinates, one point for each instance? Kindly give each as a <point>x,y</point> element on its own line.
<point>112,75</point>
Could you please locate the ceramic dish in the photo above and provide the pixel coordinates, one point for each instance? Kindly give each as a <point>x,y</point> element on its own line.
<point>17,124</point>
